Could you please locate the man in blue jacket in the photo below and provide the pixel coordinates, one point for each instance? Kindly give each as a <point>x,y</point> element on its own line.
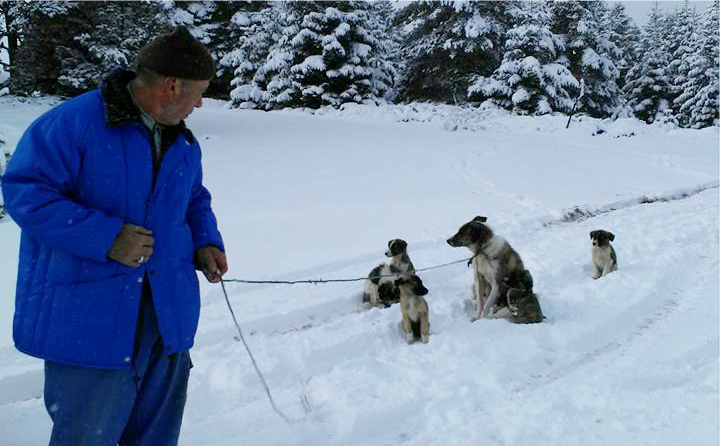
<point>107,189</point>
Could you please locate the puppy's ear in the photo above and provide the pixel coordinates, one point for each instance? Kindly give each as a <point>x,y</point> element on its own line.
<point>480,219</point>
<point>611,236</point>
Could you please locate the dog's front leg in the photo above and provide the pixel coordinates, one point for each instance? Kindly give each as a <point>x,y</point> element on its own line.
<point>424,328</point>
<point>491,300</point>
<point>407,328</point>
<point>480,291</point>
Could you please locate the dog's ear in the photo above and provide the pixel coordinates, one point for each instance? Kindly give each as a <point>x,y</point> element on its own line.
<point>611,236</point>
<point>480,219</point>
<point>401,243</point>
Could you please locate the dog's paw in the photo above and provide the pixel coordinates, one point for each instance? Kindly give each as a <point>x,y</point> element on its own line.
<point>409,338</point>
<point>424,338</point>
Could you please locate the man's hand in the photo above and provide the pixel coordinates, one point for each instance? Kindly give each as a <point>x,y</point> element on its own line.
<point>212,262</point>
<point>133,246</point>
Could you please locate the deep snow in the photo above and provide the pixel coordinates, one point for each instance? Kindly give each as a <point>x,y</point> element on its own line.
<point>629,359</point>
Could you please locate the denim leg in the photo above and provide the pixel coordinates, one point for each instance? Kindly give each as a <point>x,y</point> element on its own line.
<point>88,407</point>
<point>139,407</point>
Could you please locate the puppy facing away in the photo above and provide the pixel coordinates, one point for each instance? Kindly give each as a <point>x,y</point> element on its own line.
<point>414,308</point>
<point>522,302</point>
<point>493,260</point>
<point>604,260</point>
<point>380,287</point>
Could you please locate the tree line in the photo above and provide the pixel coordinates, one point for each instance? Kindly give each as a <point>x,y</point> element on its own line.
<point>530,57</point>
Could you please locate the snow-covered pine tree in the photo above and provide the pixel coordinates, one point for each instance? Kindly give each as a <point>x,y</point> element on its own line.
<point>647,86</point>
<point>449,42</point>
<point>42,27</point>
<point>258,31</point>
<point>589,53</point>
<point>321,58</point>
<point>9,38</point>
<point>117,31</point>
<point>212,23</point>
<point>703,106</point>
<point>529,80</point>
<point>385,62</point>
<point>683,50</point>
<point>332,50</point>
<point>626,36</point>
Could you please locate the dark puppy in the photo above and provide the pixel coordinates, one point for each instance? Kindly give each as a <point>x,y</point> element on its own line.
<point>380,288</point>
<point>414,308</point>
<point>604,260</point>
<point>522,302</point>
<point>493,260</point>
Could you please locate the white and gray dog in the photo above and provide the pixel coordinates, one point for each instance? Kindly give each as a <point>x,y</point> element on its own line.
<point>604,259</point>
<point>380,289</point>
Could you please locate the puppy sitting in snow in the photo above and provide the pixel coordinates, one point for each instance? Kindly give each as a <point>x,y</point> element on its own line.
<point>380,289</point>
<point>493,260</point>
<point>414,308</point>
<point>604,260</point>
<point>522,302</point>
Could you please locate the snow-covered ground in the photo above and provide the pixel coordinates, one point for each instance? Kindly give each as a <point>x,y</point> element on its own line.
<point>630,359</point>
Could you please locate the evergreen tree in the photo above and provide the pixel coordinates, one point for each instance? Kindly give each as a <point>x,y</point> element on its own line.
<point>321,58</point>
<point>42,27</point>
<point>647,86</point>
<point>698,102</point>
<point>450,42</point>
<point>259,32</point>
<point>385,62</point>
<point>212,22</point>
<point>589,53</point>
<point>682,48</point>
<point>529,80</point>
<point>112,40</point>
<point>9,37</point>
<point>626,36</point>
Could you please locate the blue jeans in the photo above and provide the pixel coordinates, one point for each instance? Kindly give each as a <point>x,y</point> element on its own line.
<point>138,407</point>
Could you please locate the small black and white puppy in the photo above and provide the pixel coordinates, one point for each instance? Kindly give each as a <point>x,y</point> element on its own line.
<point>380,289</point>
<point>604,260</point>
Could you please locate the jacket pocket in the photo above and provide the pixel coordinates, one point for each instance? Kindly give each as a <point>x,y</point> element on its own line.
<point>93,323</point>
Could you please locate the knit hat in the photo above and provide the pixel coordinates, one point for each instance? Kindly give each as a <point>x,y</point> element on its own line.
<point>177,54</point>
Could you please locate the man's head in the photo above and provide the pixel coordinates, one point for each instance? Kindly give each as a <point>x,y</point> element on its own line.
<point>173,72</point>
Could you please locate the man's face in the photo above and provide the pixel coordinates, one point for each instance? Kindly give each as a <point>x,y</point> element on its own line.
<point>184,96</point>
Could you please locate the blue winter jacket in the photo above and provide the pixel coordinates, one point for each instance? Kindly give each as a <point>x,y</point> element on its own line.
<point>81,171</point>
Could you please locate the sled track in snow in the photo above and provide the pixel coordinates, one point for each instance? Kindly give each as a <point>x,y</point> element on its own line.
<point>578,214</point>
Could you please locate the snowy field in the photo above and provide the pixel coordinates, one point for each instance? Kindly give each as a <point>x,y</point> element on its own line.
<point>629,359</point>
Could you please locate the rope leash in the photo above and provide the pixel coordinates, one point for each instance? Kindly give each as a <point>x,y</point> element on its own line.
<point>357,279</point>
<point>252,358</point>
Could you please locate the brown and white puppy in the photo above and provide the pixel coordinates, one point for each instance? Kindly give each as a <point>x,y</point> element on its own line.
<point>522,302</point>
<point>604,260</point>
<point>380,288</point>
<point>493,260</point>
<point>414,308</point>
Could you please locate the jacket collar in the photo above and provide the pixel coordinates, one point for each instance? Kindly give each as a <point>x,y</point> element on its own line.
<point>119,106</point>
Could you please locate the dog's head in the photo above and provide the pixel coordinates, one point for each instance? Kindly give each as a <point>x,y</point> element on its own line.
<point>411,284</point>
<point>396,246</point>
<point>601,238</point>
<point>474,232</point>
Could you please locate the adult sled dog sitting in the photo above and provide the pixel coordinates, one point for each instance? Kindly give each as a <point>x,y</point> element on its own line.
<point>107,189</point>
<point>493,261</point>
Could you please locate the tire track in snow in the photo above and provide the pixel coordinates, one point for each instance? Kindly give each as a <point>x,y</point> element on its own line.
<point>578,214</point>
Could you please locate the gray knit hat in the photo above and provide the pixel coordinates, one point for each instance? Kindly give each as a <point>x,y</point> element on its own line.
<point>177,54</point>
